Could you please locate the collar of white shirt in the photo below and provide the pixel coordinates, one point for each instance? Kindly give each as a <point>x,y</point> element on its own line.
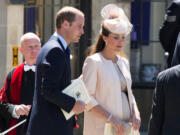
<point>61,39</point>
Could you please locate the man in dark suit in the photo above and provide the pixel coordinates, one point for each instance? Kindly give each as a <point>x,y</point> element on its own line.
<point>16,95</point>
<point>53,74</point>
<point>165,114</point>
<point>176,55</point>
<point>170,28</point>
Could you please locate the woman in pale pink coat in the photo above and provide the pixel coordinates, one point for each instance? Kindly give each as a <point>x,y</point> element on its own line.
<point>108,80</point>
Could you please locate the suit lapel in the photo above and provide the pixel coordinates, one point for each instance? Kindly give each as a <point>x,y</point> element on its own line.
<point>64,51</point>
<point>59,41</point>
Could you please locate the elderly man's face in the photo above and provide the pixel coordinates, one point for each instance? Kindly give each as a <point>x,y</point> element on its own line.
<point>30,48</point>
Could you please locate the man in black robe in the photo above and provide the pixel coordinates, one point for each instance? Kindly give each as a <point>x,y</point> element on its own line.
<point>17,93</point>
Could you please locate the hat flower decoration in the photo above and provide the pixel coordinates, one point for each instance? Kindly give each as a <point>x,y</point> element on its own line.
<point>115,20</point>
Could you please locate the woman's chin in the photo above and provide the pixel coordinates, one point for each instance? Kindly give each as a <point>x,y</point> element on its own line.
<point>118,49</point>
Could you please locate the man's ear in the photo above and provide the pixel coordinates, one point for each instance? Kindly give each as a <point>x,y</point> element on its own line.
<point>66,24</point>
<point>20,49</point>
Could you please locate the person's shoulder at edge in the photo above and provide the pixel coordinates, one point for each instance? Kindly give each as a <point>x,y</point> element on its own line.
<point>52,42</point>
<point>176,2</point>
<point>175,5</point>
<point>170,72</point>
<point>50,45</point>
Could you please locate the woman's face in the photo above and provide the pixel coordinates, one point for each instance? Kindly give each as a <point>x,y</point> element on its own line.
<point>115,42</point>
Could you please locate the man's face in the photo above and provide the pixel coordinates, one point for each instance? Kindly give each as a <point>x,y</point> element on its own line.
<point>30,48</point>
<point>76,29</point>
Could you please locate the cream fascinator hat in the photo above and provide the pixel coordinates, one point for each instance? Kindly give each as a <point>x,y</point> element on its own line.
<point>115,20</point>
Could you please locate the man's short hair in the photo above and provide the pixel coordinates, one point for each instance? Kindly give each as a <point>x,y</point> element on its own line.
<point>67,13</point>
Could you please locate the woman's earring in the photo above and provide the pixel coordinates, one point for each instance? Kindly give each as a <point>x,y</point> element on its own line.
<point>105,43</point>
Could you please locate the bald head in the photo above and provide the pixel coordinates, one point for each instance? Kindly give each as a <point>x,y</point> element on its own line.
<point>29,37</point>
<point>30,47</point>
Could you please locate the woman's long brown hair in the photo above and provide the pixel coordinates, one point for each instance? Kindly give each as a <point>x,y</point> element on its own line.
<point>100,43</point>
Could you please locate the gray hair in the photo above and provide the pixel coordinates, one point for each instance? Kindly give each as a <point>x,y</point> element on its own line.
<point>28,35</point>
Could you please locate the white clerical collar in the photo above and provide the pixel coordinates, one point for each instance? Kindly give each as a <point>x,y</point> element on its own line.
<point>28,67</point>
<point>61,39</point>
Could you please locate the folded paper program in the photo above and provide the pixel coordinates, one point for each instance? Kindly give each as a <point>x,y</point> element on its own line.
<point>77,90</point>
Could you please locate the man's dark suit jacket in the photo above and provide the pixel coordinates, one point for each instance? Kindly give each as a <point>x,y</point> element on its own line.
<point>165,116</point>
<point>176,55</point>
<point>53,74</point>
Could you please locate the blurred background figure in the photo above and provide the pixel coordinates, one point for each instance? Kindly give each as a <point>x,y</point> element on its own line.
<point>17,93</point>
<point>176,55</point>
<point>170,29</point>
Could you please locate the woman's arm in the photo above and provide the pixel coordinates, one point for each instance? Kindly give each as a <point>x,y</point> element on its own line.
<point>135,117</point>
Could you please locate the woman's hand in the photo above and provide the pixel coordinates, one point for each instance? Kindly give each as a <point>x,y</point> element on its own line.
<point>118,125</point>
<point>135,118</point>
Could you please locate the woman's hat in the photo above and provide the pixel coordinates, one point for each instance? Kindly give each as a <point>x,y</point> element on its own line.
<point>115,20</point>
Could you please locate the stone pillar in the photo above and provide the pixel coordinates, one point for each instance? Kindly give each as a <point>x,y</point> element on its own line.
<point>48,28</point>
<point>154,51</point>
<point>15,23</point>
<point>3,40</point>
<point>11,29</point>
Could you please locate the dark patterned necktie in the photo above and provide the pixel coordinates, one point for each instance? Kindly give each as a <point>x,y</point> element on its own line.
<point>68,53</point>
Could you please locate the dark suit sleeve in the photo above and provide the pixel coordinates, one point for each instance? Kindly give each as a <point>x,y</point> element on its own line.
<point>170,27</point>
<point>53,71</point>
<point>176,55</point>
<point>157,114</point>
<point>6,107</point>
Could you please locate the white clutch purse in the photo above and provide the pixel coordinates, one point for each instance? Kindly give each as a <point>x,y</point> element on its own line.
<point>109,130</point>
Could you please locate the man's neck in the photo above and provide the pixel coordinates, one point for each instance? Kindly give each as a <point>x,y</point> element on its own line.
<point>60,32</point>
